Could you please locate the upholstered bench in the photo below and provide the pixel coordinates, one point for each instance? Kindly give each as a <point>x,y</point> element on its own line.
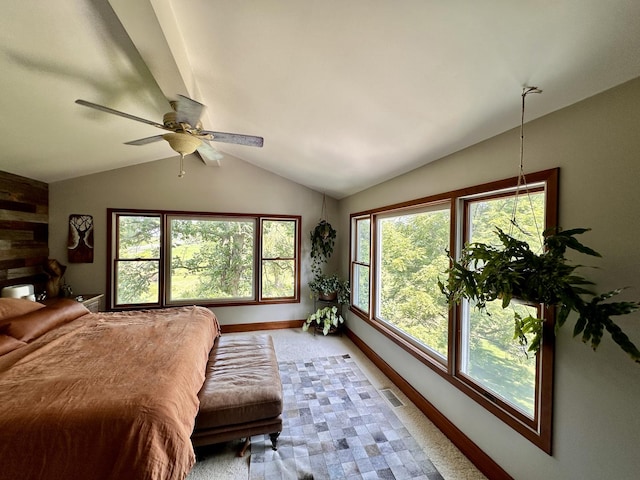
<point>242,392</point>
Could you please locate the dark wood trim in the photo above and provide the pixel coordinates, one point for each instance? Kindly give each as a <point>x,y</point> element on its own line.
<point>550,176</point>
<point>537,430</point>
<point>479,458</point>
<point>252,327</point>
<point>164,215</point>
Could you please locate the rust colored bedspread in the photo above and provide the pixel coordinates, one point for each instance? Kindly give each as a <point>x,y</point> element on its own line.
<point>106,396</point>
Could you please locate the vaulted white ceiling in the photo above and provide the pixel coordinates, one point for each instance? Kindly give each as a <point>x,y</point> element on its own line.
<point>345,93</point>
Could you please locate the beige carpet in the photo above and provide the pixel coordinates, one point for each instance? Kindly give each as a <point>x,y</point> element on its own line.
<point>219,462</point>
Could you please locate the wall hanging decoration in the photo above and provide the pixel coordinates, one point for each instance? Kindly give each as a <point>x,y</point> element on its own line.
<point>513,272</point>
<point>80,243</point>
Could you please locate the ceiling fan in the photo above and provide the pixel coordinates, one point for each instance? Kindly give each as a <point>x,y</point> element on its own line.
<point>187,134</point>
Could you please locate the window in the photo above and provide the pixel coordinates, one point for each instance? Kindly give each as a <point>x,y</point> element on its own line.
<point>137,263</point>
<point>412,246</point>
<point>278,258</point>
<point>210,258</point>
<point>166,258</point>
<point>489,357</point>
<point>360,264</point>
<point>397,292</point>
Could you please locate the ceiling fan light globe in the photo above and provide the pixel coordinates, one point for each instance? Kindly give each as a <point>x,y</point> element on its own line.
<point>182,143</point>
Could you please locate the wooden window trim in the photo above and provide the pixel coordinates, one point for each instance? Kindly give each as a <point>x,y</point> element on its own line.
<point>112,242</point>
<point>538,431</point>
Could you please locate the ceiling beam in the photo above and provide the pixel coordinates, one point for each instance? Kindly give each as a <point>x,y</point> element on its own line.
<point>153,29</point>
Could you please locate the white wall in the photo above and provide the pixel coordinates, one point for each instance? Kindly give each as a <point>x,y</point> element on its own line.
<point>596,144</point>
<point>234,187</point>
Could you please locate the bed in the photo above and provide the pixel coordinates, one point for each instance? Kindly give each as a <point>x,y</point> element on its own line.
<point>100,395</point>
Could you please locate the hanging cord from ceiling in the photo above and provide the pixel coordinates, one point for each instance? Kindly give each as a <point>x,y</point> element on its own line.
<point>323,212</point>
<point>522,180</point>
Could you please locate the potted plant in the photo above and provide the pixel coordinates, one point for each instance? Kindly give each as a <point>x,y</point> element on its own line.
<point>329,288</point>
<point>323,239</point>
<point>485,273</point>
<point>326,319</point>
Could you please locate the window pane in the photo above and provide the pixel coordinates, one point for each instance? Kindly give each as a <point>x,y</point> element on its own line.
<point>361,267</point>
<point>491,356</point>
<point>412,256</point>
<point>211,259</point>
<point>278,254</point>
<point>278,278</point>
<point>493,359</point>
<point>486,215</point>
<point>363,237</point>
<point>361,287</point>
<point>278,239</point>
<point>139,237</point>
<point>137,282</point>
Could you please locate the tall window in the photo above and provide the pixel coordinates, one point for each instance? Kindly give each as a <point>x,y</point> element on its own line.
<point>278,258</point>
<point>166,258</point>
<point>360,267</point>
<point>475,352</point>
<point>489,355</point>
<point>412,245</point>
<point>137,264</point>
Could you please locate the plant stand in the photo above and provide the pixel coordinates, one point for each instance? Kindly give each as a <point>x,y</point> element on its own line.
<point>332,331</point>
<point>319,302</point>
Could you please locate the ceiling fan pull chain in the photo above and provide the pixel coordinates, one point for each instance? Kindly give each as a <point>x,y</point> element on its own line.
<point>182,172</point>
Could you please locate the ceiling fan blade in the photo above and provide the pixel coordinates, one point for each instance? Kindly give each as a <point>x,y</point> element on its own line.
<point>237,138</point>
<point>144,141</point>
<point>208,153</point>
<point>188,110</point>
<point>122,114</point>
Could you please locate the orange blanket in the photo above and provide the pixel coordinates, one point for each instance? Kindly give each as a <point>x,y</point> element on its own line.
<point>106,396</point>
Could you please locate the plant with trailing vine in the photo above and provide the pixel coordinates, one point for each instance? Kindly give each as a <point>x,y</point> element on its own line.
<point>485,273</point>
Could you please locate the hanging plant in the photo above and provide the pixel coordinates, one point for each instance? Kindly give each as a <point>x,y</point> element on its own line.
<point>485,273</point>
<point>323,239</point>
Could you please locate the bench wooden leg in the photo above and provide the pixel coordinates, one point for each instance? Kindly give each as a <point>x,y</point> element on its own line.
<point>274,440</point>
<point>247,442</point>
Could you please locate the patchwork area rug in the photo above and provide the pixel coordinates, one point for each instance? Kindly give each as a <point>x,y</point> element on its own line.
<point>336,426</point>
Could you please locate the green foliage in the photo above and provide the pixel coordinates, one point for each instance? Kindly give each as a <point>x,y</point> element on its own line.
<point>139,246</point>
<point>211,259</point>
<point>278,253</point>
<point>486,273</point>
<point>324,318</point>
<point>412,256</point>
<point>323,239</point>
<point>326,285</point>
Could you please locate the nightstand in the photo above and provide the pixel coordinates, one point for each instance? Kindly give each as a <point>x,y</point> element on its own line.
<point>93,301</point>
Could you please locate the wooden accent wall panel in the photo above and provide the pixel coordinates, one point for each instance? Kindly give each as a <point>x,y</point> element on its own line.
<point>24,230</point>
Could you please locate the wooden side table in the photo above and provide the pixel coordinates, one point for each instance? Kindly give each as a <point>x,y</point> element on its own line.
<point>93,301</point>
